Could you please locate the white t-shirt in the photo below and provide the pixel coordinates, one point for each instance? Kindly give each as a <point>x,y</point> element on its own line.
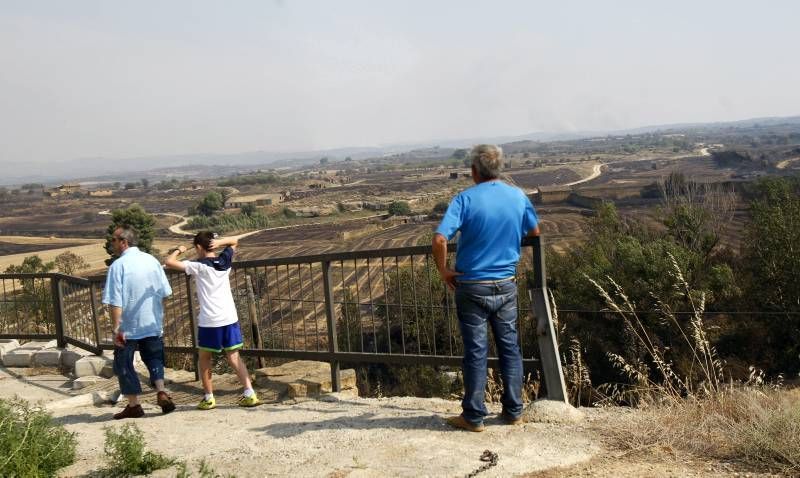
<point>214,289</point>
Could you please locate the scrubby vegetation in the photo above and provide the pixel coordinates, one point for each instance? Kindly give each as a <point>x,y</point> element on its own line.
<point>125,448</point>
<point>31,443</point>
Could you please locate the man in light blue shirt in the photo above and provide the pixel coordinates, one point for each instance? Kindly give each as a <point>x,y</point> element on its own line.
<point>135,289</point>
<point>492,217</point>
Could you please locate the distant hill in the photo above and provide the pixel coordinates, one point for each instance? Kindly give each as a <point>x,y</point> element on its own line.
<point>206,165</point>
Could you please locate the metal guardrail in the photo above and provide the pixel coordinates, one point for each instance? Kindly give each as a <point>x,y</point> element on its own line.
<point>376,306</point>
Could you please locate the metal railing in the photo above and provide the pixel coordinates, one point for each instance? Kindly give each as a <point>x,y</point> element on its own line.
<point>376,306</point>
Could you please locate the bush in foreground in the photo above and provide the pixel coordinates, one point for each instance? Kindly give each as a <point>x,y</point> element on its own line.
<point>125,448</point>
<point>31,444</point>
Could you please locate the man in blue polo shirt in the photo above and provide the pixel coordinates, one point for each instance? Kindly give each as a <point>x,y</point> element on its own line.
<point>135,289</point>
<point>492,217</point>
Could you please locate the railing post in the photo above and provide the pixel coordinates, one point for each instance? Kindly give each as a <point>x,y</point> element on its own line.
<point>251,302</point>
<point>192,328</point>
<point>545,330</point>
<point>95,319</point>
<point>58,309</point>
<point>330,313</point>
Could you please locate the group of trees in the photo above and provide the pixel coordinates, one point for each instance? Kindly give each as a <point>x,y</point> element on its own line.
<point>752,295</point>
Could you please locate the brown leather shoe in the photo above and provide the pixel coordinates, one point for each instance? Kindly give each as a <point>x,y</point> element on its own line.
<point>165,402</point>
<point>460,422</point>
<point>134,411</point>
<point>509,420</point>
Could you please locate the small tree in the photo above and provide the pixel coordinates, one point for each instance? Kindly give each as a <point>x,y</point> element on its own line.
<point>36,294</point>
<point>440,207</point>
<point>69,263</point>
<point>211,203</point>
<point>136,217</point>
<point>145,183</point>
<point>248,209</point>
<point>399,208</point>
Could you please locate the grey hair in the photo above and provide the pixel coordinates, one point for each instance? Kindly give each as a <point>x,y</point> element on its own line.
<point>487,159</point>
<point>129,235</point>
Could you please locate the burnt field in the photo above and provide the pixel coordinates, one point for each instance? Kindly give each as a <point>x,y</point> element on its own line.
<point>623,173</point>
<point>8,248</point>
<point>535,179</point>
<point>34,215</point>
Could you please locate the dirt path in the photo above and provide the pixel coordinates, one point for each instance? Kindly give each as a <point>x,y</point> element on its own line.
<point>596,171</point>
<point>347,437</point>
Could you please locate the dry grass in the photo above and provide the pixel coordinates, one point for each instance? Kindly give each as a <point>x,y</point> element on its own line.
<point>696,411</point>
<point>755,427</point>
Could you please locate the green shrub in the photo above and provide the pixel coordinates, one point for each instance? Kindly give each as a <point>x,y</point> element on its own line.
<point>31,444</point>
<point>125,449</point>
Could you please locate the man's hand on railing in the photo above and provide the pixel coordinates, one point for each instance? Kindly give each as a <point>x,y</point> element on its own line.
<point>449,277</point>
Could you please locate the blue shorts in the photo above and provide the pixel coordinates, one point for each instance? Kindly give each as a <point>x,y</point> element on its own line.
<point>217,339</point>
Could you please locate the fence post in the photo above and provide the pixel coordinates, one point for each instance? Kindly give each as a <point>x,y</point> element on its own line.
<point>58,309</point>
<point>330,313</point>
<point>193,328</point>
<point>545,331</point>
<point>95,319</point>
<point>251,302</point>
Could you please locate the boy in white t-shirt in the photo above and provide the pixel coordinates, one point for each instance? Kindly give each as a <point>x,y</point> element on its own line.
<point>218,323</point>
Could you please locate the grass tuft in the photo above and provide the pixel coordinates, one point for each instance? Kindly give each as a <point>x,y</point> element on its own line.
<point>31,443</point>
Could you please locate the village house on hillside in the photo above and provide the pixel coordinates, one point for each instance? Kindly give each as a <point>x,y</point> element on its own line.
<point>64,189</point>
<point>266,199</point>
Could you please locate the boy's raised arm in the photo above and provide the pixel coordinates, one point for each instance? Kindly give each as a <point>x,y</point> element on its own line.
<point>172,260</point>
<point>224,242</point>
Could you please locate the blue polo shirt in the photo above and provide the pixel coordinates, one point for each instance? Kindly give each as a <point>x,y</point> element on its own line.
<point>136,282</point>
<point>493,217</point>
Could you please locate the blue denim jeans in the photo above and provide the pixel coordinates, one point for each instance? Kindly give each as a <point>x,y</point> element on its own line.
<point>151,349</point>
<point>477,304</point>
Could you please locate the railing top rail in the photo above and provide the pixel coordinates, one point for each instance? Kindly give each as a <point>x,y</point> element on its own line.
<point>280,261</point>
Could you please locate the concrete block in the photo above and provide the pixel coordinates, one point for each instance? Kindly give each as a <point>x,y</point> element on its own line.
<point>19,358</point>
<point>91,365</point>
<point>305,378</point>
<point>47,358</point>
<point>40,345</point>
<point>83,382</point>
<point>96,398</point>
<point>108,370</point>
<point>6,346</point>
<point>71,355</point>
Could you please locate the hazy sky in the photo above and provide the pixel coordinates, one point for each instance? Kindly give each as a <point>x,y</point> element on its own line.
<point>123,79</point>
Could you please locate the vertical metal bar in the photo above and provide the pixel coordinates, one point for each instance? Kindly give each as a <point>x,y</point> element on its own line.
<point>345,314</point>
<point>291,307</point>
<point>358,307</point>
<point>430,302</point>
<point>302,305</point>
<point>330,313</point>
<point>400,303</point>
<point>413,282</point>
<point>95,319</point>
<point>314,305</point>
<point>386,308</point>
<point>193,327</point>
<point>372,308</point>
<point>58,310</point>
<point>251,302</point>
<point>545,331</point>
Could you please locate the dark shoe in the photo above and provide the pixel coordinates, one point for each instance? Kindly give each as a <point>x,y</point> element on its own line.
<point>509,420</point>
<point>130,412</point>
<point>165,402</point>
<point>460,422</point>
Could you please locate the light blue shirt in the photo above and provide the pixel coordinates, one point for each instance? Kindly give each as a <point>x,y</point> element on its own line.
<point>492,217</point>
<point>136,282</point>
